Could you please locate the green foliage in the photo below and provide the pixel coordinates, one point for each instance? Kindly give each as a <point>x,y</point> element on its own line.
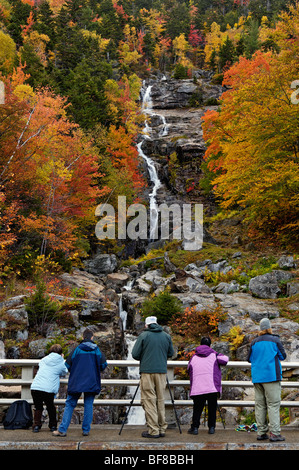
<point>41,309</point>
<point>163,306</point>
<point>180,72</point>
<point>226,53</point>
<point>65,342</point>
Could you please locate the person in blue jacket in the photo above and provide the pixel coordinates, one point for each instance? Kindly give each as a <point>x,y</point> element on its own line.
<point>85,365</point>
<point>266,352</point>
<point>45,386</point>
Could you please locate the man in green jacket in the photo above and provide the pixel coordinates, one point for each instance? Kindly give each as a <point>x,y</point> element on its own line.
<point>152,348</point>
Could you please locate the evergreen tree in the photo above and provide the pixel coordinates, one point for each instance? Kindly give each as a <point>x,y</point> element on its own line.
<point>226,53</point>
<point>85,89</point>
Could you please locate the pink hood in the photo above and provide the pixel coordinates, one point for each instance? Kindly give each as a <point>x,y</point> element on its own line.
<point>204,371</point>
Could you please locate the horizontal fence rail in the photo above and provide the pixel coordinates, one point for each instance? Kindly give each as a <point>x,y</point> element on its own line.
<point>28,366</point>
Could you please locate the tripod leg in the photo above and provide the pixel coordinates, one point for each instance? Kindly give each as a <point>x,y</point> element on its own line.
<point>205,413</point>
<point>222,420</point>
<point>172,401</point>
<point>128,411</point>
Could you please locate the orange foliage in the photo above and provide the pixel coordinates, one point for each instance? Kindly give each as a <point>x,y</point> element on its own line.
<point>194,323</point>
<point>48,168</point>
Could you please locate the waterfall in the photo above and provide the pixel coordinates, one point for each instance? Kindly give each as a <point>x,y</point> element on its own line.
<point>122,313</point>
<point>136,415</point>
<point>147,107</point>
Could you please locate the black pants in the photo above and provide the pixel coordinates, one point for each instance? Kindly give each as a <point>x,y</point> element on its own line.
<point>39,399</point>
<point>198,406</point>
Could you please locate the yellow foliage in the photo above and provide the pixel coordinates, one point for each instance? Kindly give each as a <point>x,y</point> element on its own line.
<point>39,43</point>
<point>25,92</point>
<point>102,43</point>
<point>7,51</point>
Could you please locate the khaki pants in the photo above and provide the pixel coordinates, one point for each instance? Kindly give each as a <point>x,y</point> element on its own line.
<point>152,400</point>
<point>267,400</point>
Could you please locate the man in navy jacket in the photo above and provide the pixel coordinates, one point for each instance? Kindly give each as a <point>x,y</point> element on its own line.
<point>265,354</point>
<point>85,365</point>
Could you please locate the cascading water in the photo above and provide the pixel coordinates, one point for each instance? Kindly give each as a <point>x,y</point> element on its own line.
<point>136,415</point>
<point>147,107</point>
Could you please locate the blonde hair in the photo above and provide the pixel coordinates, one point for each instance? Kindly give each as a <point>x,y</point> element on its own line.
<point>264,332</point>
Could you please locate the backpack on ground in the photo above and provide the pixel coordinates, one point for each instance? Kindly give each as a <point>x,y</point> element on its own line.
<point>18,416</point>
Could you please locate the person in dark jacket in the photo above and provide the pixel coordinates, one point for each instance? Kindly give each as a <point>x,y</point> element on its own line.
<point>152,348</point>
<point>266,352</point>
<point>205,383</point>
<point>85,365</point>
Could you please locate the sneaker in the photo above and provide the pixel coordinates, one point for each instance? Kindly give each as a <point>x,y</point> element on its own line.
<point>193,430</point>
<point>212,430</point>
<point>276,437</point>
<point>58,433</point>
<point>262,437</point>
<point>36,429</point>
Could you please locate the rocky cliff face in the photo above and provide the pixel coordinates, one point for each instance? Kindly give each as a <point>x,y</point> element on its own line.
<point>179,151</point>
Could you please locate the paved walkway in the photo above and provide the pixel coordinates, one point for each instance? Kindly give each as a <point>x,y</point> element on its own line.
<point>107,438</point>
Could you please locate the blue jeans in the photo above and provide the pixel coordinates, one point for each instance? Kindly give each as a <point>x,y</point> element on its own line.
<point>70,405</point>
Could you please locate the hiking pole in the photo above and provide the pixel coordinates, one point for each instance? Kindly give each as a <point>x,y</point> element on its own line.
<point>128,411</point>
<point>172,401</point>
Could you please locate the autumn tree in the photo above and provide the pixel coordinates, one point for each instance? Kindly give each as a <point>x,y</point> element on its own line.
<point>123,106</point>
<point>48,171</point>
<point>253,139</point>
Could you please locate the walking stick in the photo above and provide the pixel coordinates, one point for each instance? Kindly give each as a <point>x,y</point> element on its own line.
<point>128,411</point>
<point>172,401</point>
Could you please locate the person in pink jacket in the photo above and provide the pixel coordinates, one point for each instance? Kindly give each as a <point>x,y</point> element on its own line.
<point>205,383</point>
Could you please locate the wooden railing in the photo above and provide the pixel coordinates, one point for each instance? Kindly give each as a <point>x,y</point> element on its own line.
<point>28,366</point>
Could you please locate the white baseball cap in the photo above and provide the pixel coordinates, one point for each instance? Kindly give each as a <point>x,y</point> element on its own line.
<point>150,320</point>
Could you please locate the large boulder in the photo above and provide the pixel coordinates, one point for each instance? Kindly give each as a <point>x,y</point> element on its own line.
<point>83,280</point>
<point>267,286</point>
<point>101,264</point>
<point>117,280</point>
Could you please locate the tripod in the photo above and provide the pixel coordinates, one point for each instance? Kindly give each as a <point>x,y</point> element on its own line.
<point>218,408</point>
<point>132,401</point>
